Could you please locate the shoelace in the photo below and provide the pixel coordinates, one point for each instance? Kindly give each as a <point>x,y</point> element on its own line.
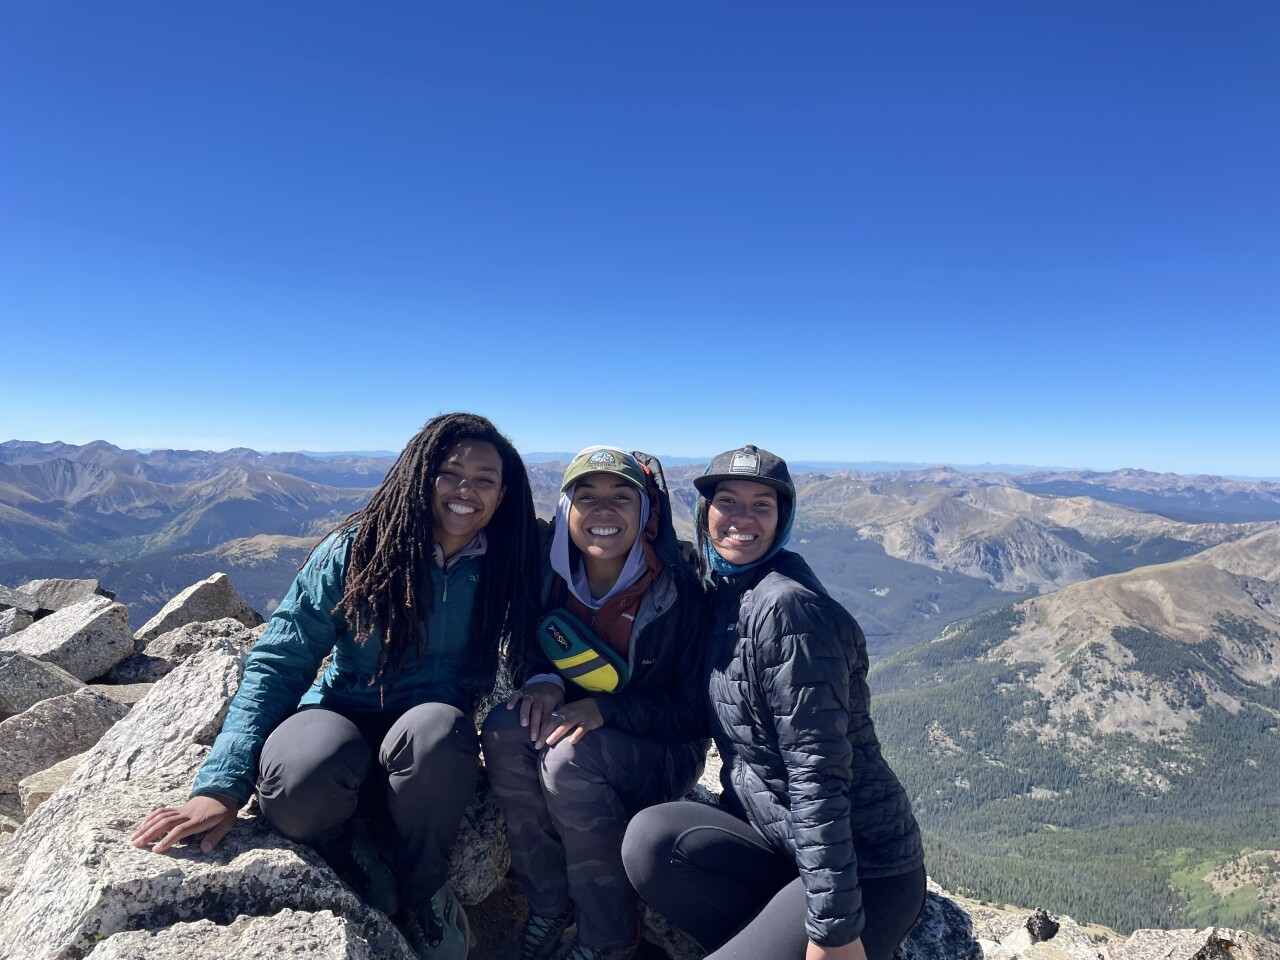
<point>430,925</point>
<point>579,952</point>
<point>538,930</point>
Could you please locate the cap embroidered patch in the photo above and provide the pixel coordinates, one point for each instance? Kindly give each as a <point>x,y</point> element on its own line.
<point>745,463</point>
<point>602,456</point>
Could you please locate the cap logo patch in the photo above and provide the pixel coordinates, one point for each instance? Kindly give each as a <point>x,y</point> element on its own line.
<point>602,456</point>
<point>745,463</point>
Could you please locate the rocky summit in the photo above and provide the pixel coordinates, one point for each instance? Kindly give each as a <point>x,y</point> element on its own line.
<point>83,759</point>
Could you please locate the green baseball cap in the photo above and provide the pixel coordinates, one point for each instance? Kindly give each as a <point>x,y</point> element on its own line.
<point>605,460</point>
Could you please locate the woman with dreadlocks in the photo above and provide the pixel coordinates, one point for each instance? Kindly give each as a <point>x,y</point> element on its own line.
<point>411,595</point>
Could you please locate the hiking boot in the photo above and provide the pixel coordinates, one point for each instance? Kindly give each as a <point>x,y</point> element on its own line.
<point>364,865</point>
<point>382,888</point>
<point>579,951</point>
<point>439,930</point>
<point>540,936</point>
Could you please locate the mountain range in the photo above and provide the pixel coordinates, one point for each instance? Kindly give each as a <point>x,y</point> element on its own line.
<point>1076,674</point>
<point>1115,740</point>
<point>907,552</point>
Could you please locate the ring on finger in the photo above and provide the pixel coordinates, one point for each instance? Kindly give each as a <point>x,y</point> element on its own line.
<point>558,714</point>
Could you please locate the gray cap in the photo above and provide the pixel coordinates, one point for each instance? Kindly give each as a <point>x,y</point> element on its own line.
<point>747,463</point>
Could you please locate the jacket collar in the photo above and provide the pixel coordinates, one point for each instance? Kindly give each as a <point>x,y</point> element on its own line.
<point>476,548</point>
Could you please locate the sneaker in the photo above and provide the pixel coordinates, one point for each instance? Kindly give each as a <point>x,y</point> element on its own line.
<point>439,930</point>
<point>580,951</point>
<point>540,936</point>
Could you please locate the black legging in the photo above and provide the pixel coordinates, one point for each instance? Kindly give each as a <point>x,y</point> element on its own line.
<point>712,875</point>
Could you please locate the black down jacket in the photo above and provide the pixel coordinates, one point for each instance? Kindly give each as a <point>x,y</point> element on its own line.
<point>790,715</point>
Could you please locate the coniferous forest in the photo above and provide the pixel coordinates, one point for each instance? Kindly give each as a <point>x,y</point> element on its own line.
<point>1024,809</point>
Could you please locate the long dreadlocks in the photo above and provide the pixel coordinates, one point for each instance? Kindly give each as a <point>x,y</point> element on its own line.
<point>391,566</point>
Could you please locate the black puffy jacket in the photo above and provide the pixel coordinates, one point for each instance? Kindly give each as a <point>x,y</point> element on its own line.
<point>790,716</point>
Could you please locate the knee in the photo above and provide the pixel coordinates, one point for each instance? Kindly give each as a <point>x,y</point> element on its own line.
<point>303,799</point>
<point>501,732</point>
<point>576,767</point>
<point>580,785</point>
<point>310,773</point>
<point>652,829</point>
<point>429,732</point>
<point>649,841</point>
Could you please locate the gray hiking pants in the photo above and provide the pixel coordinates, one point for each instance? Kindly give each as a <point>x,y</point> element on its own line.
<point>317,770</point>
<point>567,808</point>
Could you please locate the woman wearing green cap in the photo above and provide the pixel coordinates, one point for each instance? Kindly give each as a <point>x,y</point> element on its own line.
<point>815,852</point>
<point>577,751</point>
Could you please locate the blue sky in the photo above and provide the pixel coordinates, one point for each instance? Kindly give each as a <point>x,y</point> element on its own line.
<point>937,232</point>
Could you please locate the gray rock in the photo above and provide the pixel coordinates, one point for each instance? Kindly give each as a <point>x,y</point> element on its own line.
<point>25,681</point>
<point>321,936</point>
<point>1049,950</point>
<point>1213,943</point>
<point>8,825</point>
<point>677,944</point>
<point>85,881</point>
<point>51,731</point>
<point>13,600</point>
<point>152,659</point>
<point>1043,937</point>
<point>34,789</point>
<point>185,710</point>
<point>210,599</point>
<point>1041,926</point>
<point>11,807</point>
<point>994,951</point>
<point>86,639</point>
<point>56,594</point>
<point>126,693</point>
<point>1072,940</point>
<point>992,924</point>
<point>481,856</point>
<point>943,930</point>
<point>11,621</point>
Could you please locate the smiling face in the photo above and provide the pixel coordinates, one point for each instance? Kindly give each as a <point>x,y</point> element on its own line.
<point>465,493</point>
<point>604,518</point>
<point>742,520</point>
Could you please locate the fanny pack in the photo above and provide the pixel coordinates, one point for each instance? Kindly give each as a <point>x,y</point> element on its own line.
<point>579,654</point>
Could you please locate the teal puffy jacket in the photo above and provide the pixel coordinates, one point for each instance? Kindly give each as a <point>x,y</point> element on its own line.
<point>280,669</point>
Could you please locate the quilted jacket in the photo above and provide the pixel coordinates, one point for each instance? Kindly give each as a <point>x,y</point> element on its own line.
<point>280,671</point>
<point>790,715</point>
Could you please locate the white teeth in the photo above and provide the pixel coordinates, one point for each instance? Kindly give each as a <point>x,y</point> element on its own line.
<point>603,531</point>
<point>460,510</point>
<point>742,537</point>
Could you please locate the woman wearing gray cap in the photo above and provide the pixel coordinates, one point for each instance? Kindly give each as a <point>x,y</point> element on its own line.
<point>610,727</point>
<point>815,852</point>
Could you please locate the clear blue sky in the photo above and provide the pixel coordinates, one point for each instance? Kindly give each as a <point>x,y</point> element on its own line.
<point>1032,232</point>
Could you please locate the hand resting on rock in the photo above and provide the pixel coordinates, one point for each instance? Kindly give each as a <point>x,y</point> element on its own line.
<point>211,815</point>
